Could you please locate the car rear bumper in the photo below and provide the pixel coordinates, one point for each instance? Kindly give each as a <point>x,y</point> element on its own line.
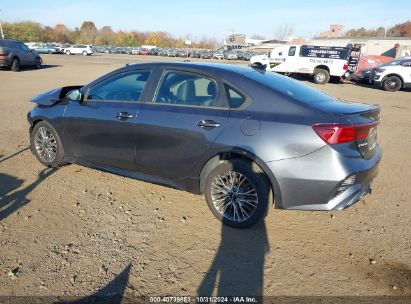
<point>323,180</point>
<point>5,62</point>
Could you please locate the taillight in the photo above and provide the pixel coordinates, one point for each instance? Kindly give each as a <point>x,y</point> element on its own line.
<point>345,67</point>
<point>336,134</point>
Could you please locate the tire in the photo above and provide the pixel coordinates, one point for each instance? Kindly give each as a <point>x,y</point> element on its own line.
<point>392,83</point>
<point>68,52</point>
<point>251,208</point>
<point>37,63</point>
<point>15,65</point>
<point>84,53</point>
<point>321,76</point>
<point>46,145</point>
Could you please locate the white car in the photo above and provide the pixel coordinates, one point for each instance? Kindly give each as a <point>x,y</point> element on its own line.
<point>79,49</point>
<point>393,75</point>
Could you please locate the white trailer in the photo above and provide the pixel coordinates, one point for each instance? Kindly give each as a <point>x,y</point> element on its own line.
<point>321,62</point>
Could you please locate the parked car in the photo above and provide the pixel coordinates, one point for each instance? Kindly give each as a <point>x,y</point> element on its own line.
<point>171,53</point>
<point>15,54</point>
<point>195,54</point>
<point>393,75</point>
<point>218,55</point>
<point>240,136</point>
<point>44,49</point>
<point>232,55</point>
<point>162,52</point>
<point>144,52</point>
<point>206,55</point>
<point>79,49</point>
<point>182,53</point>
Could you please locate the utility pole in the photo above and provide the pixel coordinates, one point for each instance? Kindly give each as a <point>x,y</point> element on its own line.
<point>1,28</point>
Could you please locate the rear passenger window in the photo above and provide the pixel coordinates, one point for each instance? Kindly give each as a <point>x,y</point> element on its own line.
<point>189,89</point>
<point>234,98</point>
<point>122,87</point>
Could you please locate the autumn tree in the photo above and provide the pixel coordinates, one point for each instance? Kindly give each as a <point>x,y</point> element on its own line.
<point>400,30</point>
<point>87,33</point>
<point>105,36</point>
<point>62,34</point>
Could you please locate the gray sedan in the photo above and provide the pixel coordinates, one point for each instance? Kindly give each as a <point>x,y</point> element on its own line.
<point>243,137</point>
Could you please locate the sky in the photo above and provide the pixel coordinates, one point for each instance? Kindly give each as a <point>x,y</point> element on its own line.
<point>213,18</point>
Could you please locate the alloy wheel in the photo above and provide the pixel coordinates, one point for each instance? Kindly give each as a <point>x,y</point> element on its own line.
<point>233,196</point>
<point>45,144</point>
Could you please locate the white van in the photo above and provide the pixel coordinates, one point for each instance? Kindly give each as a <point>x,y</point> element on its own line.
<point>321,62</point>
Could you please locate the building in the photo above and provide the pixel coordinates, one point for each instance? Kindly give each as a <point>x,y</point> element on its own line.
<point>334,32</point>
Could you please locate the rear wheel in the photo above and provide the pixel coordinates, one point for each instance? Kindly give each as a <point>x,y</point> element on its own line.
<point>238,193</point>
<point>46,145</point>
<point>392,83</point>
<point>15,65</point>
<point>321,76</point>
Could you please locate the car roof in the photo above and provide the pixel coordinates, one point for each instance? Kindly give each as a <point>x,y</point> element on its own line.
<point>206,67</point>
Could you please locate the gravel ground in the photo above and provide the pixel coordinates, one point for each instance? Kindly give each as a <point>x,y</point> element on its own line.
<point>76,231</point>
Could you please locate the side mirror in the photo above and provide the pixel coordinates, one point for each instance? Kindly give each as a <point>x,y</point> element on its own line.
<point>74,95</point>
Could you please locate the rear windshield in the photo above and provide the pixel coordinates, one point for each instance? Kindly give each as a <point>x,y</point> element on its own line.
<point>289,87</point>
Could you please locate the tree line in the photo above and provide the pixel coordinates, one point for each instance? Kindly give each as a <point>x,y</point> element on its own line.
<point>88,33</point>
<point>398,30</point>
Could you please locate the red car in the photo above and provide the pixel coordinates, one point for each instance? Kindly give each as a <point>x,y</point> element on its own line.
<point>144,52</point>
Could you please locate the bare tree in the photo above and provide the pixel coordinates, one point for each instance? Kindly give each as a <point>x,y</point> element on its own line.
<point>284,31</point>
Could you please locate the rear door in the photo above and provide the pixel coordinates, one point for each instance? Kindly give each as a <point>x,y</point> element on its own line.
<point>176,129</point>
<point>100,129</point>
<point>23,53</point>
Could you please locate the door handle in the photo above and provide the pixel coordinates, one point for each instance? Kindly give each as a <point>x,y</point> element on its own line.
<point>208,124</point>
<point>124,115</point>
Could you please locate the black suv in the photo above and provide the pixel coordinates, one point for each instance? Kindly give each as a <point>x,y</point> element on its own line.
<point>15,54</point>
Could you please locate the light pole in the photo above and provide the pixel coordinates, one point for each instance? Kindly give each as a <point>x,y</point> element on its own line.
<point>1,29</point>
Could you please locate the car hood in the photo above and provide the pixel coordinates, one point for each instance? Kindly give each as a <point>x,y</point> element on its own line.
<point>54,96</point>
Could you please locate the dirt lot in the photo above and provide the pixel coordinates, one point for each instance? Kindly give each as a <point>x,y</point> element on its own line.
<point>76,231</point>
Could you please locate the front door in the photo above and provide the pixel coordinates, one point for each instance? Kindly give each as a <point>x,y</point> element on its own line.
<point>100,129</point>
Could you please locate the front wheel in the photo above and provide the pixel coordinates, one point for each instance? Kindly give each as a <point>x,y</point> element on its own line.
<point>238,193</point>
<point>321,76</point>
<point>68,52</point>
<point>392,83</point>
<point>46,145</point>
<point>84,53</point>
